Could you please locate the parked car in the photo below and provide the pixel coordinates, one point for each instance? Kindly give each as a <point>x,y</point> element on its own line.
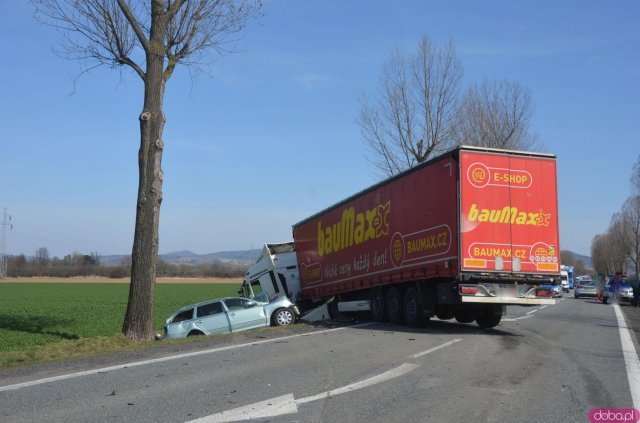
<point>229,314</point>
<point>585,288</point>
<point>624,294</point>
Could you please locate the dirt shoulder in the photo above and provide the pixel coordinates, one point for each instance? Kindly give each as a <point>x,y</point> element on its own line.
<point>96,279</point>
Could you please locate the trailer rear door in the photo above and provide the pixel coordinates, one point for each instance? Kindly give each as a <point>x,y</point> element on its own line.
<point>509,214</point>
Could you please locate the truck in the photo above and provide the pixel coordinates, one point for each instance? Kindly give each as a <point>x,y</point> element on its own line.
<point>566,274</point>
<point>457,237</point>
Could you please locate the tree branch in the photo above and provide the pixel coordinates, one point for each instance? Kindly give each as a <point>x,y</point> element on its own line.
<point>135,25</point>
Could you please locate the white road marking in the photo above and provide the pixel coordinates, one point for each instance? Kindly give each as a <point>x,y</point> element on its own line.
<point>273,407</point>
<point>446,344</point>
<point>516,318</point>
<point>382,377</point>
<point>630,357</point>
<point>163,359</point>
<point>287,404</point>
<point>529,314</point>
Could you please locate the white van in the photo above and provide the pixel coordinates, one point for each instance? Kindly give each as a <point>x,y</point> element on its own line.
<point>564,277</point>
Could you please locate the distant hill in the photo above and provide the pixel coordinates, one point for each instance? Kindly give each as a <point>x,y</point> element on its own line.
<point>585,259</point>
<point>190,258</point>
<point>241,257</point>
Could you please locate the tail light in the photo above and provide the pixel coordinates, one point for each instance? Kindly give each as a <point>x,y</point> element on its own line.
<point>467,290</point>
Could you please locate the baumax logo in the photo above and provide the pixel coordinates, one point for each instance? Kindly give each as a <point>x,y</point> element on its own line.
<point>508,215</point>
<point>353,228</point>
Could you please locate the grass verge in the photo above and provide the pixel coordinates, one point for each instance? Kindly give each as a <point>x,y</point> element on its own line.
<point>46,321</point>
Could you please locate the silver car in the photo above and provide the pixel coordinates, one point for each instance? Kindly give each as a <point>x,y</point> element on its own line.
<point>624,294</point>
<point>229,314</point>
<point>585,288</point>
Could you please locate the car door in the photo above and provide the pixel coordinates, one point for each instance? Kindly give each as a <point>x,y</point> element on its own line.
<point>245,314</point>
<point>180,324</point>
<point>212,318</point>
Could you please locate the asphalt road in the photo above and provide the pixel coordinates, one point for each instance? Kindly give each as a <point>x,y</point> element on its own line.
<point>542,364</point>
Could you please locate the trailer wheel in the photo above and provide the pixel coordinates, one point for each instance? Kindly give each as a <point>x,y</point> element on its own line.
<point>465,316</point>
<point>282,317</point>
<point>488,317</point>
<point>394,305</point>
<point>411,308</point>
<point>445,314</point>
<point>377,305</point>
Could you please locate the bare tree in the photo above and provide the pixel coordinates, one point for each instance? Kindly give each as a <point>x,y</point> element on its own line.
<point>150,37</point>
<point>619,242</point>
<point>496,114</point>
<point>579,268</point>
<point>635,178</point>
<point>413,115</point>
<point>601,255</point>
<point>41,257</point>
<point>630,215</point>
<point>567,258</point>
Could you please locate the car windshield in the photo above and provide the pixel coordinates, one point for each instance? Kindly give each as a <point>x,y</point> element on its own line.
<point>262,297</point>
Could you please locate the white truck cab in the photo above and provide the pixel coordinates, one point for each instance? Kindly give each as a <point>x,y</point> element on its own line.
<point>274,275</point>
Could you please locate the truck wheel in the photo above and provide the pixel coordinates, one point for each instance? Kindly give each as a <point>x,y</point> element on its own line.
<point>445,314</point>
<point>465,316</point>
<point>282,317</point>
<point>376,302</point>
<point>394,305</point>
<point>411,308</point>
<point>488,320</point>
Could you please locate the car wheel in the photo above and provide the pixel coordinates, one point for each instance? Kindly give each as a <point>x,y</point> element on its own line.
<point>604,300</point>
<point>576,296</point>
<point>195,333</point>
<point>282,317</point>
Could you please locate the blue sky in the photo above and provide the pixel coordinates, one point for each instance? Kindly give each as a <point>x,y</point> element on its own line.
<point>270,137</point>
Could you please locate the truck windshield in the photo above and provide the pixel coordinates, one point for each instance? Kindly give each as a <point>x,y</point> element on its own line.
<point>258,293</point>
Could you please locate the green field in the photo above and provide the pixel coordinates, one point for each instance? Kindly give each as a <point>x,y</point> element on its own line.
<point>46,321</point>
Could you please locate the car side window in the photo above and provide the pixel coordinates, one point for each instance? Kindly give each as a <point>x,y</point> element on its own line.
<point>210,309</point>
<point>183,315</point>
<point>234,303</point>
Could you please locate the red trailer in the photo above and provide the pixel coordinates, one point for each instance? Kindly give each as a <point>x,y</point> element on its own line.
<point>459,236</point>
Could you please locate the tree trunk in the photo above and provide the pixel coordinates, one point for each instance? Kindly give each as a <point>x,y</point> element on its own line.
<point>139,319</point>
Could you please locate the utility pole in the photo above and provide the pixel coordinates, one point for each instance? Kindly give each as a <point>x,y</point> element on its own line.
<point>6,225</point>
